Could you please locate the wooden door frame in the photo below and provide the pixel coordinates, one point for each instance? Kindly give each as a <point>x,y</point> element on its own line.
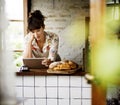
<point>97,35</point>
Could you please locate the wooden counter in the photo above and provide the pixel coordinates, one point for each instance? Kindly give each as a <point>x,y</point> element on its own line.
<point>43,72</point>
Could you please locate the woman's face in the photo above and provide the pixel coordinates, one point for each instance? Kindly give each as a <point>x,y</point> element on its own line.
<point>38,33</point>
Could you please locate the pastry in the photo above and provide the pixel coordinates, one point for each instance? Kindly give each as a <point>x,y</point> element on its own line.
<point>63,65</point>
<point>54,64</point>
<point>72,64</point>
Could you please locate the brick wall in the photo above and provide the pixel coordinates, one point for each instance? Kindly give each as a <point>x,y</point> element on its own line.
<point>67,19</point>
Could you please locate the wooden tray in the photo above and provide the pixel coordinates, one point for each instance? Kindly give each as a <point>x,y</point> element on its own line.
<point>63,71</point>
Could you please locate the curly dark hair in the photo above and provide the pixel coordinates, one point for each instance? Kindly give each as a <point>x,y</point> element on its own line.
<point>36,20</point>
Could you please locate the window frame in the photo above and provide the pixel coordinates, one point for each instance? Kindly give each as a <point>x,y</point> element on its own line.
<point>25,16</point>
<point>24,22</point>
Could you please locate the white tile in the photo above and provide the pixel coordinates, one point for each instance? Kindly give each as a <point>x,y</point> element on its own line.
<point>84,83</point>
<point>86,102</point>
<point>39,80</point>
<point>51,101</point>
<point>29,102</point>
<point>28,80</point>
<point>40,101</point>
<point>52,92</point>
<point>75,81</point>
<point>51,80</point>
<point>63,81</point>
<point>86,92</point>
<point>40,92</point>
<point>63,92</point>
<point>19,92</point>
<point>75,93</point>
<point>20,101</point>
<point>64,102</point>
<point>29,92</point>
<point>75,101</point>
<point>18,81</point>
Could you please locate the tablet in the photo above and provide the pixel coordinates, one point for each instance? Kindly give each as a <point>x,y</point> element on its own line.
<point>34,63</point>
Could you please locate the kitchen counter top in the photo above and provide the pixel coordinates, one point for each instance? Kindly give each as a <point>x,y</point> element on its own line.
<point>43,72</point>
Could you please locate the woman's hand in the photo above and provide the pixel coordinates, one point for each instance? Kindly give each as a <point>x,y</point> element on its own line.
<point>32,37</point>
<point>46,62</point>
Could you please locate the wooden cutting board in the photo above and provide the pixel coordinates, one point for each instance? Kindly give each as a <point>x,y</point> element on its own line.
<point>62,71</point>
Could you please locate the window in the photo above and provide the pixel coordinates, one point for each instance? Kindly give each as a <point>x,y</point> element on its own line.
<point>112,1</point>
<point>112,18</point>
<point>15,30</point>
<point>113,11</point>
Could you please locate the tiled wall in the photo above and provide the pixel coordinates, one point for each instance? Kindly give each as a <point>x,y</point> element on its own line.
<point>53,90</point>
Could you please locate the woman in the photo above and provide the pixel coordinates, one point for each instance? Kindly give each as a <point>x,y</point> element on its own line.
<point>38,43</point>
